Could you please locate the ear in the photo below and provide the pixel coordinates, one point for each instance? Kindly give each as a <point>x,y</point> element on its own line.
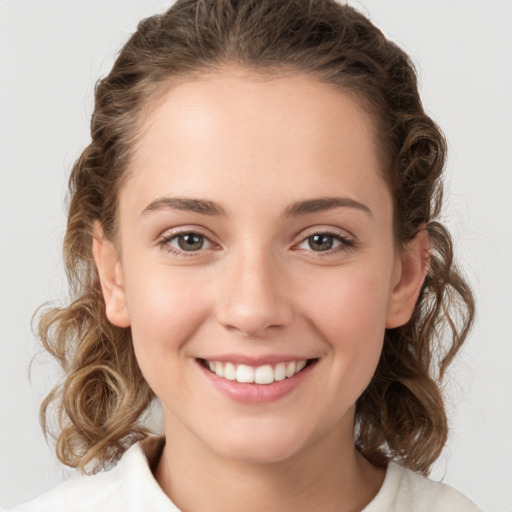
<point>410,271</point>
<point>111,278</point>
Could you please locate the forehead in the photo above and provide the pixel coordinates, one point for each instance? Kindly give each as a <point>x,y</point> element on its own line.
<point>287,101</point>
<point>290,131</point>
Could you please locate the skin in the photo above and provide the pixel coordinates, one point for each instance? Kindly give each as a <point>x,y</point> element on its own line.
<point>257,287</point>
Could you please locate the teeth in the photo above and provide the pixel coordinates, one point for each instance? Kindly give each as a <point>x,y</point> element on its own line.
<point>219,370</point>
<point>244,373</point>
<point>290,369</point>
<point>280,371</point>
<point>229,371</point>
<point>265,374</point>
<point>300,366</point>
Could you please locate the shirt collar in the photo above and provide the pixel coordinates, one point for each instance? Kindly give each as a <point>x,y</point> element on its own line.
<point>139,487</point>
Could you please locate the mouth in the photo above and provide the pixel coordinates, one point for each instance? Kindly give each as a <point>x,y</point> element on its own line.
<point>263,374</point>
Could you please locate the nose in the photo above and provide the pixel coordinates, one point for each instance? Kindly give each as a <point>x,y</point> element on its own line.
<point>255,299</point>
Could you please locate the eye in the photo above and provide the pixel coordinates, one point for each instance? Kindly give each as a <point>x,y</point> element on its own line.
<point>326,242</point>
<point>188,243</point>
<point>185,242</point>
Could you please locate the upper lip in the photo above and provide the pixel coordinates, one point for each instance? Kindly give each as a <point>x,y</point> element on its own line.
<point>255,360</point>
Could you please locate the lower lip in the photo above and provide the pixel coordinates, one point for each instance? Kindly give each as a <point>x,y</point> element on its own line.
<point>256,393</point>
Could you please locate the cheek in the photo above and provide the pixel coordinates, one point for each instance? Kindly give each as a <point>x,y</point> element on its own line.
<point>350,316</point>
<point>352,299</point>
<point>165,310</point>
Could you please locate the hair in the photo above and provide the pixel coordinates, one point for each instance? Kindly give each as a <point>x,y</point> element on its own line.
<point>103,395</point>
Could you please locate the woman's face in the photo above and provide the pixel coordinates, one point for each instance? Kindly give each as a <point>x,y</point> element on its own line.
<point>255,236</point>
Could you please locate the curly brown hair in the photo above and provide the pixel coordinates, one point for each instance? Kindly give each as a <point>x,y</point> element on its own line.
<point>400,416</point>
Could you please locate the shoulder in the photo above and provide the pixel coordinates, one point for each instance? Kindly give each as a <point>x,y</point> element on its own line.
<point>81,493</point>
<point>406,491</point>
<point>122,488</point>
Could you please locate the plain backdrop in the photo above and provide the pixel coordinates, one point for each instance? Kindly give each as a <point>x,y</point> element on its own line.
<point>51,54</point>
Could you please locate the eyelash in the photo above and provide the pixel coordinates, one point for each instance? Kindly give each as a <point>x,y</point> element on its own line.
<point>346,244</point>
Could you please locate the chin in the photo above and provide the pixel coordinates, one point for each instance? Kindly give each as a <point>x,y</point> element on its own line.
<point>255,446</point>
<point>257,454</point>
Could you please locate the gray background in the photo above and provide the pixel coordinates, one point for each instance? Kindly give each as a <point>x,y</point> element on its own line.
<point>52,52</point>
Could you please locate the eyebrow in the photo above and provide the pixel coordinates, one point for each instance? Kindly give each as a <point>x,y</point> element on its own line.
<point>201,206</point>
<point>205,207</point>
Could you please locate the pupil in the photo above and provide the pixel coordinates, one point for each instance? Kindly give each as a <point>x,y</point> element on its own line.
<point>321,242</point>
<point>190,241</point>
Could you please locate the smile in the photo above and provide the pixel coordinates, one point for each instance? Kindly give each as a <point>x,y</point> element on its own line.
<point>265,374</point>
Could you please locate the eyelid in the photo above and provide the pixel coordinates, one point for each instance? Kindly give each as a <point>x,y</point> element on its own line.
<point>189,228</point>
<point>328,230</point>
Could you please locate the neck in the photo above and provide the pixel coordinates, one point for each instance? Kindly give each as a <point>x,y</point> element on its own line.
<point>325,476</point>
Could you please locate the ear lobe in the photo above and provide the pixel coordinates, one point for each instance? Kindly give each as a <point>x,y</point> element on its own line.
<point>111,279</point>
<point>412,269</point>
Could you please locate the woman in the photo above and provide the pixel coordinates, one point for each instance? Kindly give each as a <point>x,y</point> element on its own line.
<point>253,239</point>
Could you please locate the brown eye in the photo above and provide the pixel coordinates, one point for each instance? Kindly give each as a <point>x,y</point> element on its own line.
<point>327,242</point>
<point>321,242</point>
<point>185,243</point>
<point>190,241</point>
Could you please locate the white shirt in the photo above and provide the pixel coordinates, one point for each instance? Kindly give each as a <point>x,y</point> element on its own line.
<point>131,487</point>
